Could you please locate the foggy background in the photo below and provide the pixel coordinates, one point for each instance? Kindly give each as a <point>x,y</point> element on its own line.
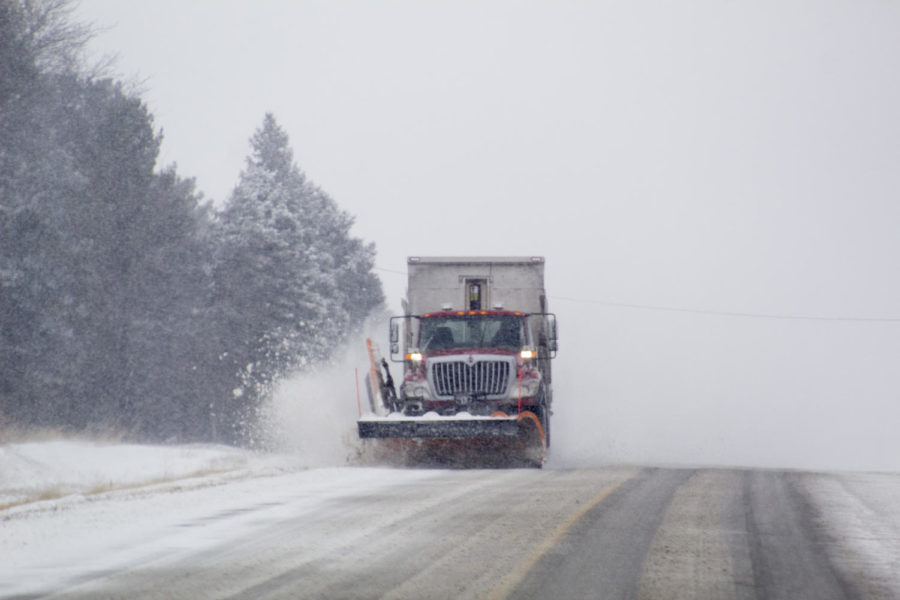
<point>713,185</point>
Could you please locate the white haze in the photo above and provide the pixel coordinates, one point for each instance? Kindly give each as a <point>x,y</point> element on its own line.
<point>314,414</point>
<point>729,157</point>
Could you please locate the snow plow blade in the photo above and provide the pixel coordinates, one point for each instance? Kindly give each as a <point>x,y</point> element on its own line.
<point>447,427</point>
<point>497,441</point>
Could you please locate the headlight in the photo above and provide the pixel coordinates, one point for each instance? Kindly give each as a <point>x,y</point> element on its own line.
<point>528,353</point>
<point>414,356</point>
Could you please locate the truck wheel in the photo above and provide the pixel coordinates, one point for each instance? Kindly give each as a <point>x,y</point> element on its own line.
<point>545,423</point>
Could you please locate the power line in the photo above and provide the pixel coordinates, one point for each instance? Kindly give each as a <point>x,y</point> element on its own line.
<point>714,313</point>
<point>723,313</point>
<point>390,270</point>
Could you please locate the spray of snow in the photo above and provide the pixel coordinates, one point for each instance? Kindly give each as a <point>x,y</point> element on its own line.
<point>314,414</point>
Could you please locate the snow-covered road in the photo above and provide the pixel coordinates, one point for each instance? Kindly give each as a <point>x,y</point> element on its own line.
<point>110,521</point>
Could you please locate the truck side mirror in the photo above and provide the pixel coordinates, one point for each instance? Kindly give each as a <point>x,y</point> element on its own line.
<point>395,338</point>
<point>554,335</point>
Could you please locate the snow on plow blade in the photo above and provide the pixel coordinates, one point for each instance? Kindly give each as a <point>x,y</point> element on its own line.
<point>499,440</point>
<point>438,427</point>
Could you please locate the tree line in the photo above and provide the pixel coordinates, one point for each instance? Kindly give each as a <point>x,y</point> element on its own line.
<point>129,303</point>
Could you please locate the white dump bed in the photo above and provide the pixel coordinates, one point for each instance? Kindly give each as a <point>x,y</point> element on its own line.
<point>510,283</point>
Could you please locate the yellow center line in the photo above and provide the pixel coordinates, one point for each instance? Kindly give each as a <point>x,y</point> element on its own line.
<point>511,580</point>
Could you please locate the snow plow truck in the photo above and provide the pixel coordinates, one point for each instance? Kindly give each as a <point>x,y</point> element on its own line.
<point>476,342</point>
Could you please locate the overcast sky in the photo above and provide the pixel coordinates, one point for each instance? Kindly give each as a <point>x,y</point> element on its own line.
<point>713,156</point>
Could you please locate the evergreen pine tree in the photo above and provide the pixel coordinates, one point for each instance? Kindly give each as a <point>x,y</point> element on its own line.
<point>291,282</point>
<point>103,280</point>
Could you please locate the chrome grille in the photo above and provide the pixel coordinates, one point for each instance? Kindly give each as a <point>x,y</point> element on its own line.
<point>481,378</point>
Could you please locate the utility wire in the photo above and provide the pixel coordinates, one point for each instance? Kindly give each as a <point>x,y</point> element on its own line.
<point>722,313</point>
<point>714,313</point>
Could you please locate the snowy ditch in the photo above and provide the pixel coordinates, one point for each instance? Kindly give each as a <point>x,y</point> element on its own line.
<point>35,472</point>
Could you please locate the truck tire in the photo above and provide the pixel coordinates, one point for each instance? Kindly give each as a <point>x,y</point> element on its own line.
<point>545,423</point>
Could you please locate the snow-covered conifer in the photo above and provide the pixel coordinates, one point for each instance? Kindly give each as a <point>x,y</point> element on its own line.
<point>283,269</point>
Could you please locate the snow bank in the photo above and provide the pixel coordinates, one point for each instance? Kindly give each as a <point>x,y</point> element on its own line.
<point>47,470</point>
<point>310,422</point>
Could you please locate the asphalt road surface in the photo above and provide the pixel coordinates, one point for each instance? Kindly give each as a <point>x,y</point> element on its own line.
<point>618,533</point>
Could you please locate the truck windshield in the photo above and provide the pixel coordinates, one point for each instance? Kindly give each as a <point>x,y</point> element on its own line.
<point>472,331</point>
